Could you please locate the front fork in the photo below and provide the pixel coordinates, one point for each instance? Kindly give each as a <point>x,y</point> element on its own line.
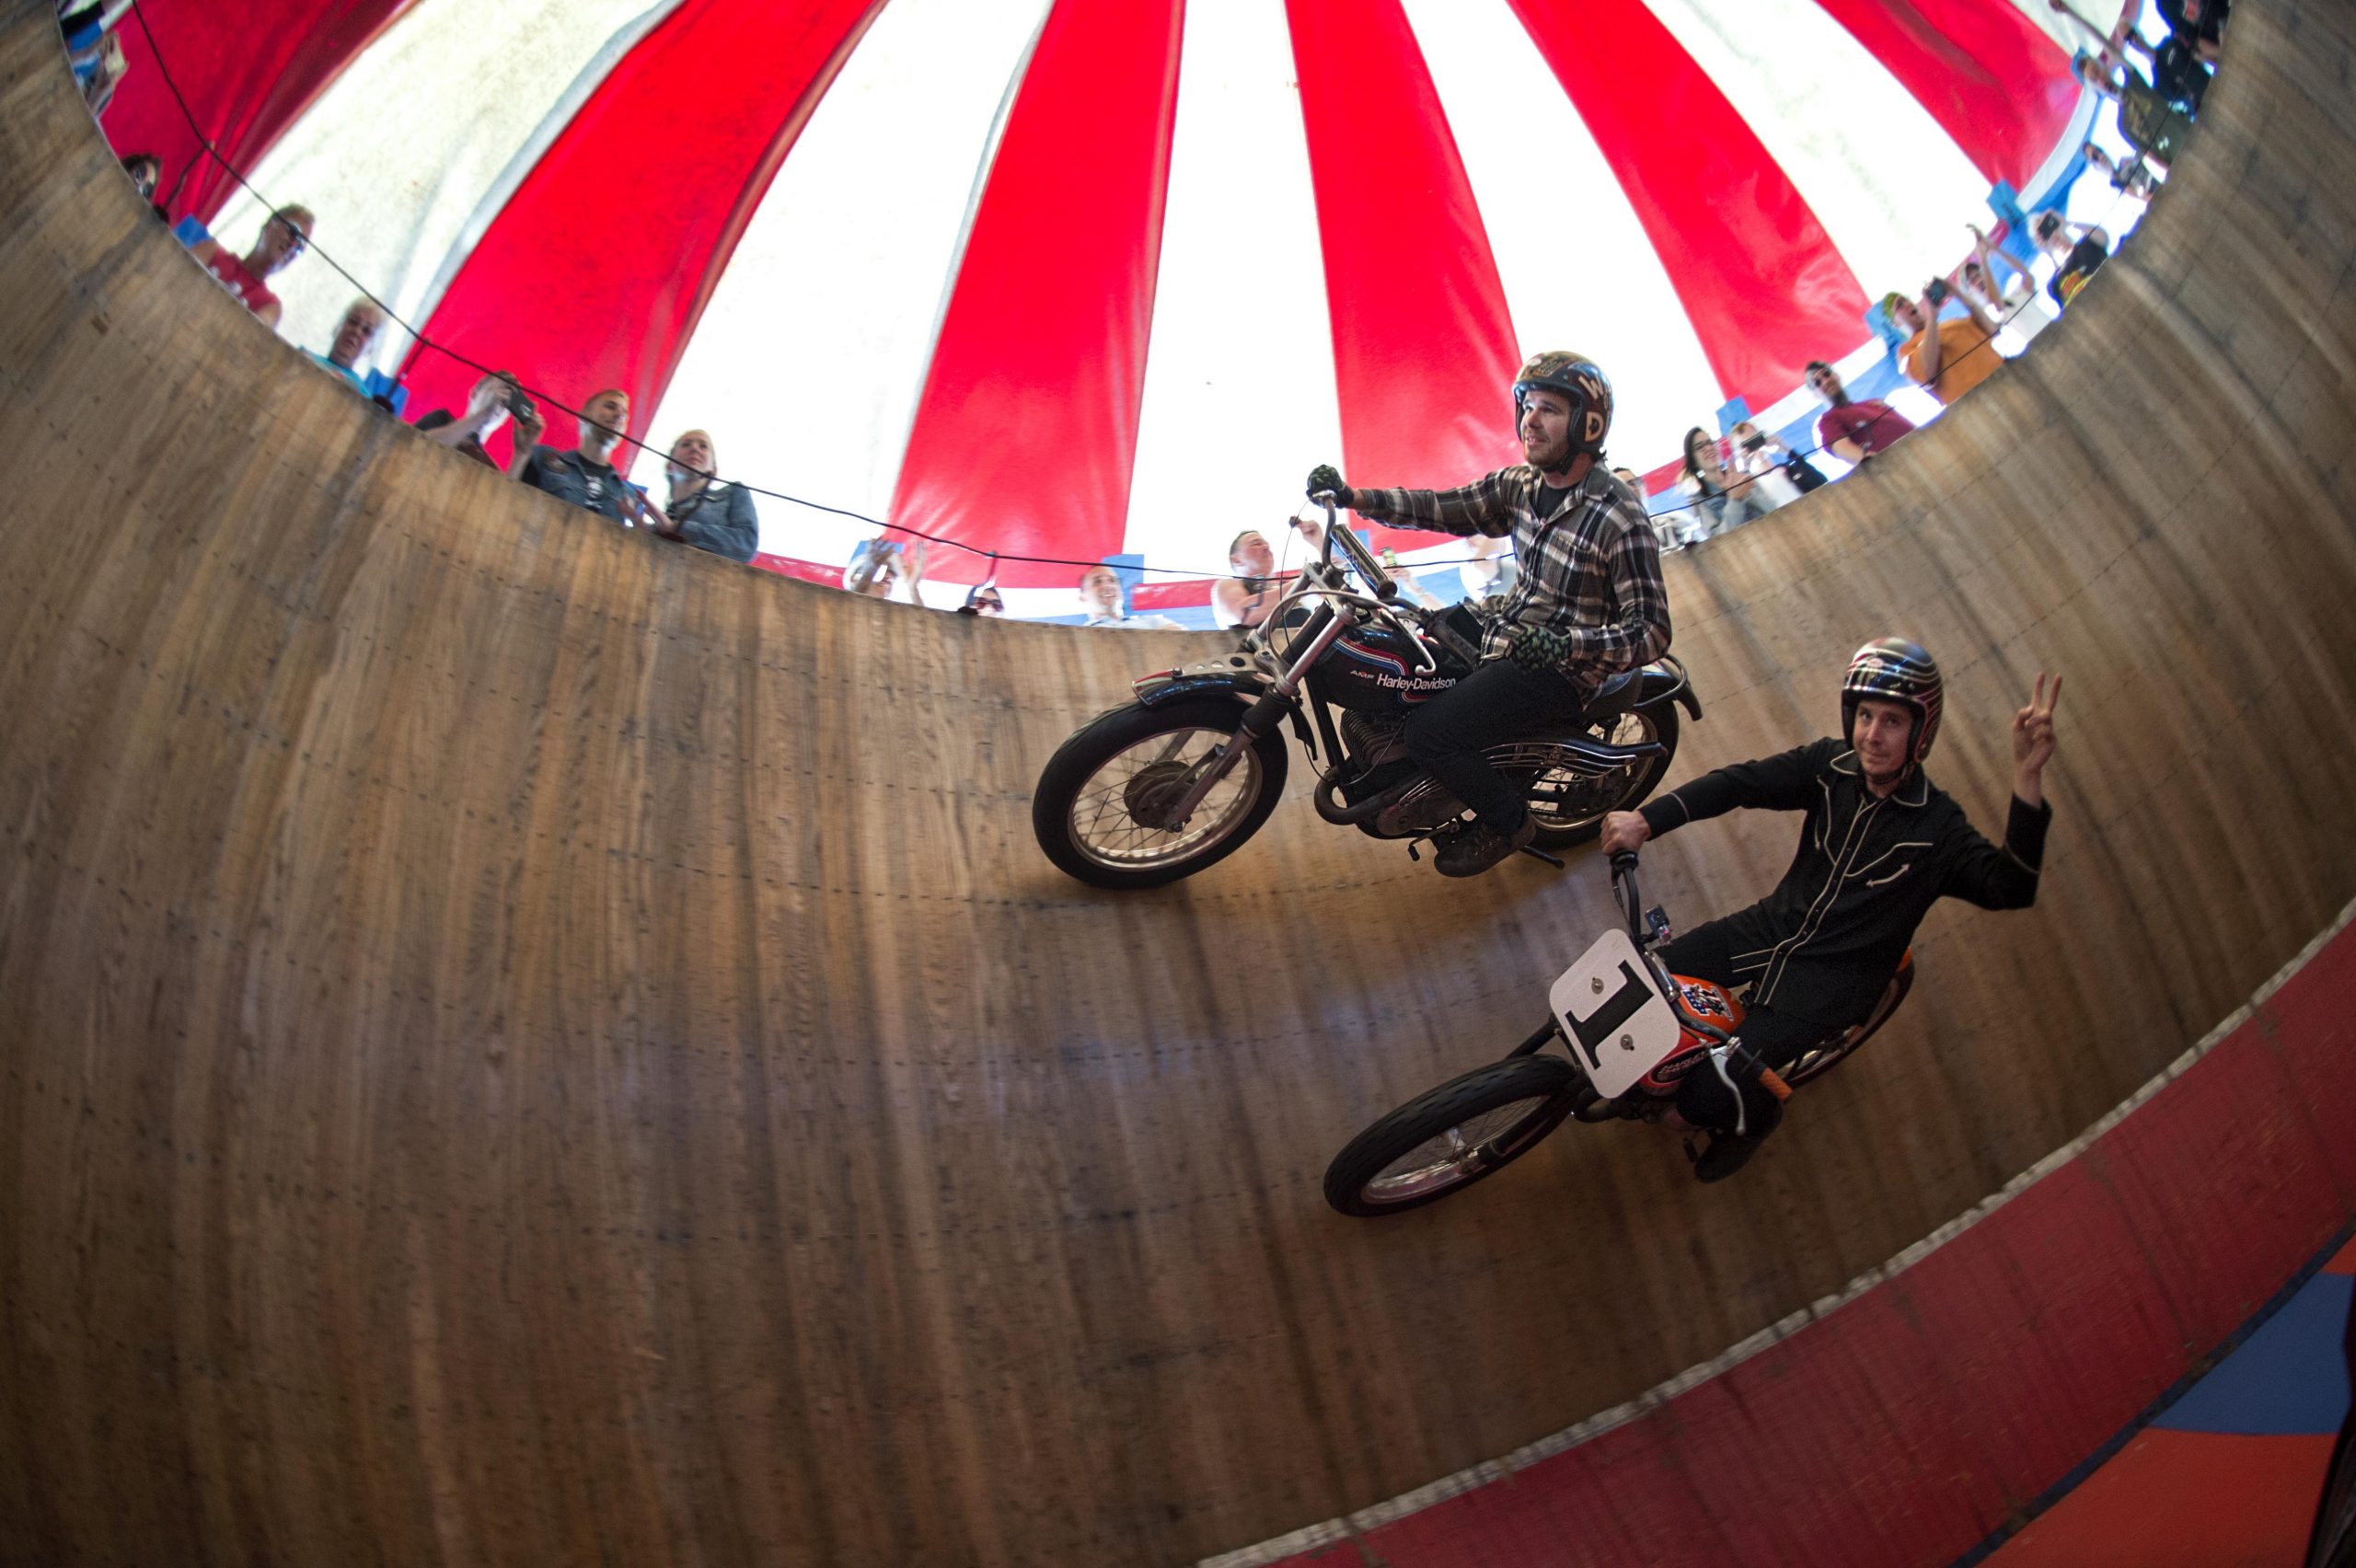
<point>1260,720</point>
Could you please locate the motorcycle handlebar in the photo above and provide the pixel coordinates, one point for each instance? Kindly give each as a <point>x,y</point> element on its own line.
<point>1360,557</point>
<point>1623,885</point>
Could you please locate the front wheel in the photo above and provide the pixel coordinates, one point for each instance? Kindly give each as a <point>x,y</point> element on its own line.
<point>1103,810</point>
<point>1447,1138</point>
<point>1570,806</point>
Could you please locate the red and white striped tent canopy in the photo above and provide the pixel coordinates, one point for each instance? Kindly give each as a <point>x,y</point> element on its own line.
<point>1086,278</point>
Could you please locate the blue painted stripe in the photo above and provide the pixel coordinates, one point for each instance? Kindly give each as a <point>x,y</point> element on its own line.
<point>2288,1379</point>
<point>2166,1404</point>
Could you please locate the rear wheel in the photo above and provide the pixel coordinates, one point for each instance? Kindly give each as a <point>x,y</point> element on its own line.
<point>1447,1138</point>
<point>1103,809</point>
<point>1824,1058</point>
<point>1570,806</point>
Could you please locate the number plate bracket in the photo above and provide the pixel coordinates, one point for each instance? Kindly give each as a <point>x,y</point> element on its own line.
<point>1617,1022</point>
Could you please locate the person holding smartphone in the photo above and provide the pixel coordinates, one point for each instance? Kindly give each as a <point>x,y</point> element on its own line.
<point>1947,358</point>
<point>493,399</point>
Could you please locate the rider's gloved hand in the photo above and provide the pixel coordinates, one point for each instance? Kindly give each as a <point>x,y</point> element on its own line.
<point>1538,648</point>
<point>1623,832</point>
<point>1326,478</point>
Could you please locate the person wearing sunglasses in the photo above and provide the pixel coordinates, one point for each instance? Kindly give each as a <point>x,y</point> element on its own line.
<point>285,235</point>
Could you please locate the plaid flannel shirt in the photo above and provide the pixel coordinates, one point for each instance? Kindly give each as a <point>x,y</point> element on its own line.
<point>1590,570</point>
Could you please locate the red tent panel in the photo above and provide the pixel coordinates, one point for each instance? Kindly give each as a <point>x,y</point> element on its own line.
<point>595,272</point>
<point>1757,276</point>
<point>1423,348</point>
<point>1995,81</point>
<point>247,71</point>
<point>1026,435</point>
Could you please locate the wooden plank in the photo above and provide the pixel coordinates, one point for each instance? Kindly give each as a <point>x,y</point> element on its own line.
<point>522,1046</point>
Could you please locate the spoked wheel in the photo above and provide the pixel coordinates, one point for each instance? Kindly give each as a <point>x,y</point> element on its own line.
<point>1570,805</point>
<point>1824,1058</point>
<point>1447,1138</point>
<point>1105,811</point>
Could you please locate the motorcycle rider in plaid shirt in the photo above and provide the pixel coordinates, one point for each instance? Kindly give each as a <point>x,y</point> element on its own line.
<point>1590,602</point>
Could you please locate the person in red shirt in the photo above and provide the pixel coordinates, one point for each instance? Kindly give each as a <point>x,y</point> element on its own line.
<point>285,234</point>
<point>1852,431</point>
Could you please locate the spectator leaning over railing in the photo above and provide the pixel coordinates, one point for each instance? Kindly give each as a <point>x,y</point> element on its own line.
<point>354,336</point>
<point>883,565</point>
<point>1100,596</point>
<point>1947,358</point>
<point>1852,428</point>
<point>1723,498</point>
<point>492,399</point>
<point>2012,304</point>
<point>1245,599</point>
<point>586,478</point>
<point>705,512</point>
<point>98,68</point>
<point>285,234</point>
<point>1769,464</point>
<point>146,170</point>
<point>2078,251</point>
<point>2200,23</point>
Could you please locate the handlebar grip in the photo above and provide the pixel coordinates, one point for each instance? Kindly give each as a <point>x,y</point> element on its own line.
<point>1624,860</point>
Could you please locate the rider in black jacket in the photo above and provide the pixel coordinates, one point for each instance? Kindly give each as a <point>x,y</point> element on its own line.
<point>1879,846</point>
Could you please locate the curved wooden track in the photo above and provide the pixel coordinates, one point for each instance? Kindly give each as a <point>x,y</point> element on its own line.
<point>525,1046</point>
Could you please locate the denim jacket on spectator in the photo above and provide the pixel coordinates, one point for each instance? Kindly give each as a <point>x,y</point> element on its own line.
<point>719,518</point>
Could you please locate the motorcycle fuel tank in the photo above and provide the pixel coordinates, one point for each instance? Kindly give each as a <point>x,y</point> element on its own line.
<point>1376,669</point>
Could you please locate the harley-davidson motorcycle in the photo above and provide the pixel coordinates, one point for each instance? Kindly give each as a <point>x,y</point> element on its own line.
<point>1178,778</point>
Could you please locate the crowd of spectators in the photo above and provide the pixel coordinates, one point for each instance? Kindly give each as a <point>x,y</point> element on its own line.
<point>1944,340</point>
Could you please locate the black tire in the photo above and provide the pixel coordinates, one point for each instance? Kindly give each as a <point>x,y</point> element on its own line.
<point>1812,1064</point>
<point>1083,812</point>
<point>2332,1541</point>
<point>1559,829</point>
<point>1507,1105</point>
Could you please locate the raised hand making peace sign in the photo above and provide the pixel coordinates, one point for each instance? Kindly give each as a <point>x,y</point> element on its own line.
<point>2033,741</point>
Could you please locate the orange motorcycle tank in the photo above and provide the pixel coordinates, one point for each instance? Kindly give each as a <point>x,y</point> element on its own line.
<point>1708,1002</point>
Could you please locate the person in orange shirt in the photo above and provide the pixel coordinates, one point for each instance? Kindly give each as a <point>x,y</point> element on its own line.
<point>1955,357</point>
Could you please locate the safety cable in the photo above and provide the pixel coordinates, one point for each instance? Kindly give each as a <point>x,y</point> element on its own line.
<point>212,151</point>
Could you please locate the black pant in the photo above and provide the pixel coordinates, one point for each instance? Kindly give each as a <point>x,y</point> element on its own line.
<point>1447,735</point>
<point>1774,1036</point>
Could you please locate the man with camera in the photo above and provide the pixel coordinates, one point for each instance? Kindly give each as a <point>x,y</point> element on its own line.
<point>490,404</point>
<point>587,478</point>
<point>1948,358</point>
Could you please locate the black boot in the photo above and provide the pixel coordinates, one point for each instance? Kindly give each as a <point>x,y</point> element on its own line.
<point>1476,848</point>
<point>1730,1152</point>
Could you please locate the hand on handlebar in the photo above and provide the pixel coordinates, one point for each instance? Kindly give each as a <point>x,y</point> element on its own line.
<point>1537,647</point>
<point>1326,479</point>
<point>1623,832</point>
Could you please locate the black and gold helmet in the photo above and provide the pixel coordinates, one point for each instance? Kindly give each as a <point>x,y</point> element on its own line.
<point>1582,381</point>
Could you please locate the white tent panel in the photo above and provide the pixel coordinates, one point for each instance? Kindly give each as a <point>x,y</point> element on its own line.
<point>1239,399</point>
<point>1580,272</point>
<point>1886,180</point>
<point>808,362</point>
<point>419,139</point>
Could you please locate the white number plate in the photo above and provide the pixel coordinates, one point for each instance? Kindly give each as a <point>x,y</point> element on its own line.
<point>1617,1023</point>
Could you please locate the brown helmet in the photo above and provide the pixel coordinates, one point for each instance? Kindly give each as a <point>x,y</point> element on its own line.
<point>1582,381</point>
